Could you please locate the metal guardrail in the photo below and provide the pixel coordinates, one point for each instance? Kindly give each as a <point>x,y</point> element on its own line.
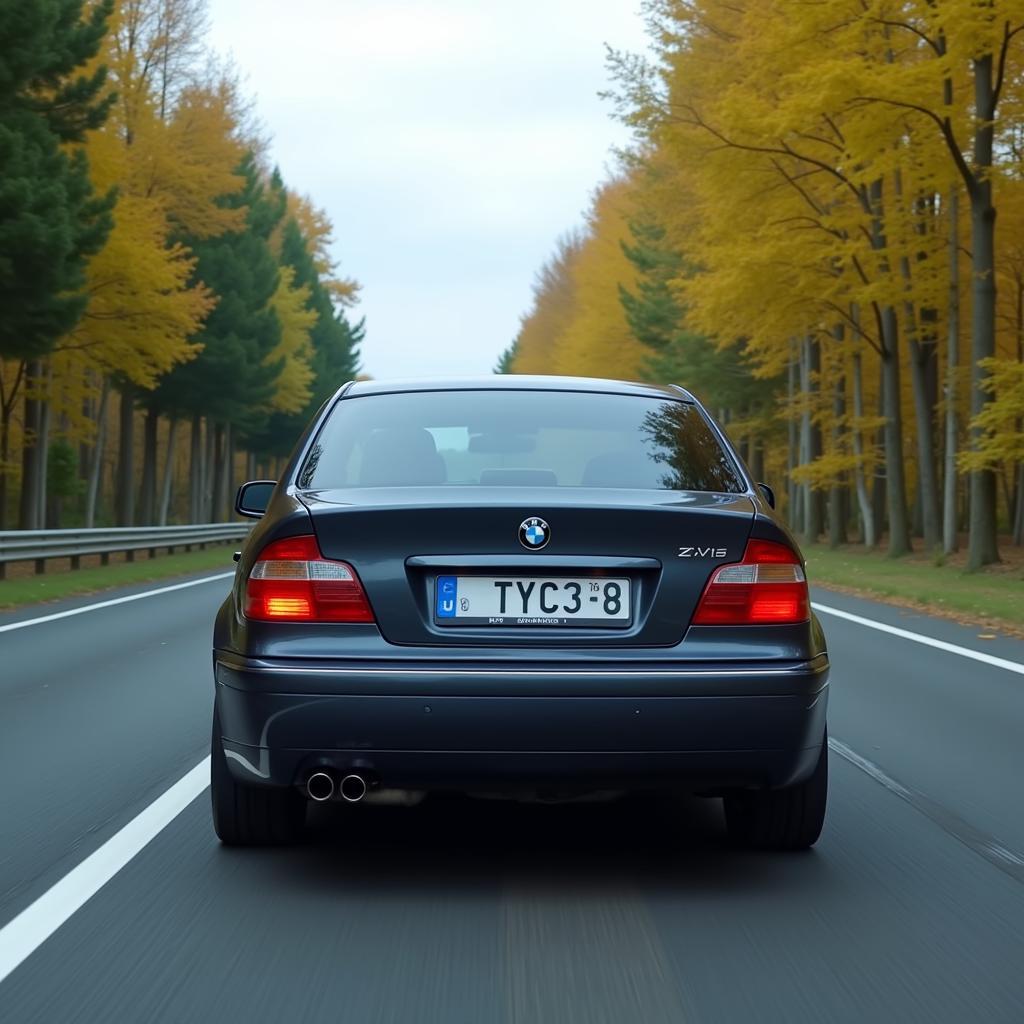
<point>40,546</point>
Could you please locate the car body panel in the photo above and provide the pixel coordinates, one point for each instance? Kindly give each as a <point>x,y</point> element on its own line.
<point>414,704</point>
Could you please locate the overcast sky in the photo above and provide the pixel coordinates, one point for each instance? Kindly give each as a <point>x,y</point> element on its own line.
<point>451,142</point>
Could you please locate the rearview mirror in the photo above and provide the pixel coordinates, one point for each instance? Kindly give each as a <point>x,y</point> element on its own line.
<point>254,497</point>
<point>769,494</point>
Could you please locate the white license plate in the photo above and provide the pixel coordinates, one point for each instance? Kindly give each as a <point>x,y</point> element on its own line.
<point>531,601</point>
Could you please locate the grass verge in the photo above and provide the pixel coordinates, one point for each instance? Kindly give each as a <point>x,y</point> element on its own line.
<point>24,587</point>
<point>993,598</point>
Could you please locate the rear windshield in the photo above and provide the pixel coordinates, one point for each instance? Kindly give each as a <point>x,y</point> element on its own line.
<point>518,439</point>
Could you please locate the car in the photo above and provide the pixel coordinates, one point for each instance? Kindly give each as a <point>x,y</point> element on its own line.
<point>524,587</point>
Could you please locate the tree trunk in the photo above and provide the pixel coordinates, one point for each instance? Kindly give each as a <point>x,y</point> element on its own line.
<point>147,495</point>
<point>43,458</point>
<point>227,478</point>
<point>895,481</point>
<point>125,489</point>
<point>55,502</point>
<point>982,547</point>
<point>210,450</point>
<point>810,367</point>
<point>217,460</point>
<point>921,338</point>
<point>922,358</point>
<point>836,504</point>
<point>28,513</point>
<point>6,412</point>
<point>7,402</point>
<point>195,470</point>
<point>792,456</point>
<point>892,431</point>
<point>949,484</point>
<point>165,486</point>
<point>96,461</point>
<point>757,468</point>
<point>1018,521</point>
<point>867,511</point>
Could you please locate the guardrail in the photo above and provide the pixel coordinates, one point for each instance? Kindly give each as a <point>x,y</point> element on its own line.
<point>40,546</point>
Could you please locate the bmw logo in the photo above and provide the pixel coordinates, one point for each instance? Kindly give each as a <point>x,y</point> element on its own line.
<point>534,533</point>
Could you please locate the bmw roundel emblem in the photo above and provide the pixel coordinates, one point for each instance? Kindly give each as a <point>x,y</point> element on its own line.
<point>534,533</point>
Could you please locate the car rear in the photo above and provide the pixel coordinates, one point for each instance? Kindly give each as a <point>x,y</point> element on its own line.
<point>519,586</point>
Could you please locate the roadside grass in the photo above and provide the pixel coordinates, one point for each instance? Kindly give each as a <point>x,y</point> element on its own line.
<point>993,597</point>
<point>23,586</point>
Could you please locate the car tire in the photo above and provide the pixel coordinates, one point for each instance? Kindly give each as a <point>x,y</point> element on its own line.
<point>781,819</point>
<point>251,815</point>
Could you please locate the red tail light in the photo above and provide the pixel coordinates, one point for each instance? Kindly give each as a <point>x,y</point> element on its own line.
<point>767,588</point>
<point>292,582</point>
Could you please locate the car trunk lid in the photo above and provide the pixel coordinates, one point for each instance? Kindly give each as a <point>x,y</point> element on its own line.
<point>401,541</point>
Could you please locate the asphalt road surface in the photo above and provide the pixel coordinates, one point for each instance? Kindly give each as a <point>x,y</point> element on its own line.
<point>911,907</point>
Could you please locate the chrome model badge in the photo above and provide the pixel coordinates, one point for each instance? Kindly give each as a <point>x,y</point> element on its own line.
<point>703,553</point>
<point>534,533</point>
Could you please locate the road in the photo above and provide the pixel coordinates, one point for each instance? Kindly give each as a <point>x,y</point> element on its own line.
<point>911,907</point>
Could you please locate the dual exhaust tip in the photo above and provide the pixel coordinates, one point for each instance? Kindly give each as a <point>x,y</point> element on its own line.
<point>320,787</point>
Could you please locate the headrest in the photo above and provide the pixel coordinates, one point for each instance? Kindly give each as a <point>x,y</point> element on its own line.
<point>401,456</point>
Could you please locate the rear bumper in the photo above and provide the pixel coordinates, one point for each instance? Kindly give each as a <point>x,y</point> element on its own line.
<point>484,727</point>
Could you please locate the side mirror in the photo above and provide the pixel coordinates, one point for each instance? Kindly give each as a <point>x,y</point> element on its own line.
<point>254,497</point>
<point>769,494</point>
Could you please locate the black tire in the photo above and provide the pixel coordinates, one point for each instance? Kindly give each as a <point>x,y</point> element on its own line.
<point>781,819</point>
<point>251,815</point>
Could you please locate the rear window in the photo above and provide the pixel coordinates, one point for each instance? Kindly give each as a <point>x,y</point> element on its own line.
<point>518,439</point>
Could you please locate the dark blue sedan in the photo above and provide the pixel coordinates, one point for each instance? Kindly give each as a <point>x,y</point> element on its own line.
<point>531,587</point>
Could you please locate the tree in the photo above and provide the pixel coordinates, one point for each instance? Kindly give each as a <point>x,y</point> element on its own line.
<point>964,54</point>
<point>232,379</point>
<point>172,145</point>
<point>506,361</point>
<point>577,325</point>
<point>51,219</point>
<point>554,305</point>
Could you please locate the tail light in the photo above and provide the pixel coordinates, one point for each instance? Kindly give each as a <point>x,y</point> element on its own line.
<point>767,588</point>
<point>292,582</point>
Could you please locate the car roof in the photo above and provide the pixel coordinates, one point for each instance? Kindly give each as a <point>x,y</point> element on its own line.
<point>518,382</point>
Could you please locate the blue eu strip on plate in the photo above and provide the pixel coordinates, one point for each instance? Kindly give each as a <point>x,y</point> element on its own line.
<point>447,591</point>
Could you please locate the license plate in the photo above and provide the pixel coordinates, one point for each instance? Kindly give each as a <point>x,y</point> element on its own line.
<point>531,601</point>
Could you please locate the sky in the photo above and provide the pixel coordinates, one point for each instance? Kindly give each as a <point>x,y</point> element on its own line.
<point>450,141</point>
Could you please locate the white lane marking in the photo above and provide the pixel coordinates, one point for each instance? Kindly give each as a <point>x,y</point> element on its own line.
<point>920,638</point>
<point>988,847</point>
<point>36,923</point>
<point>110,604</point>
<point>869,768</point>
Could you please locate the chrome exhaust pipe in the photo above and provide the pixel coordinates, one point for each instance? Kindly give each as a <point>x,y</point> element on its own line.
<point>320,787</point>
<point>353,788</point>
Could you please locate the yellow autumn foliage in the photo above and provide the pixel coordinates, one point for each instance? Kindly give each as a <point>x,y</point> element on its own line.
<point>578,326</point>
<point>293,351</point>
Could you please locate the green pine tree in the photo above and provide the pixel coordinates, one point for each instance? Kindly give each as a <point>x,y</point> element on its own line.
<point>657,318</point>
<point>50,220</point>
<point>230,380</point>
<point>654,314</point>
<point>335,345</point>
<point>506,359</point>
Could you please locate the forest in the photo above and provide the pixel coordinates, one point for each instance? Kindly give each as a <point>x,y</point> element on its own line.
<point>170,311</point>
<point>819,229</point>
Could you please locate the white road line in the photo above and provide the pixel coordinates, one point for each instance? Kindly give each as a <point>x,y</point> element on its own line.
<point>110,604</point>
<point>868,767</point>
<point>991,849</point>
<point>37,922</point>
<point>920,638</point>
